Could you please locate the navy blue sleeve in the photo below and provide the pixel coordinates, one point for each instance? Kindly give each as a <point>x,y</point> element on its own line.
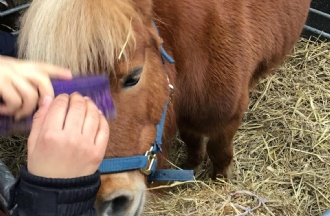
<point>8,44</point>
<point>36,196</point>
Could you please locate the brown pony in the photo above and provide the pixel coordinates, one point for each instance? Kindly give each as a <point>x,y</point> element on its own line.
<point>221,49</point>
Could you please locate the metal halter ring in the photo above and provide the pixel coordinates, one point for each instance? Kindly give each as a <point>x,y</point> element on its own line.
<point>151,160</point>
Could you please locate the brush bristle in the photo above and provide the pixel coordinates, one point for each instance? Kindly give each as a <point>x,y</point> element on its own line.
<point>95,87</point>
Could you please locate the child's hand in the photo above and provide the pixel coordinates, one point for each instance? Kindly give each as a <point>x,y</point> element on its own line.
<point>23,84</point>
<point>68,139</point>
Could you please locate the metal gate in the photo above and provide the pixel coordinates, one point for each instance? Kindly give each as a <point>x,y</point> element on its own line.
<point>318,22</point>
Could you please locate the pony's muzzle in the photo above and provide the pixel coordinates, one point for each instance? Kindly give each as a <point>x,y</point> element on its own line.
<point>122,203</point>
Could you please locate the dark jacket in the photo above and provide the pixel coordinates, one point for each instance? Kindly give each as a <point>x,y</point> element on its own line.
<point>8,44</point>
<point>36,196</point>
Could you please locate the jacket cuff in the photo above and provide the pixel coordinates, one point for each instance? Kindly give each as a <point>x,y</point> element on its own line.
<point>58,183</point>
<point>36,195</point>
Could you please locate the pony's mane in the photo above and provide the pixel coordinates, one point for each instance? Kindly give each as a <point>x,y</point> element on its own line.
<point>83,35</point>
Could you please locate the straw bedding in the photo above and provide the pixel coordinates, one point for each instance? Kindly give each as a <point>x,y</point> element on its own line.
<point>282,149</point>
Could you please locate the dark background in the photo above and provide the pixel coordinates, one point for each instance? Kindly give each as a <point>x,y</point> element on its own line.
<point>316,21</point>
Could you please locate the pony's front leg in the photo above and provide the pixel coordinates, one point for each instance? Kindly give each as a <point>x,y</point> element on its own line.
<point>220,148</point>
<point>195,149</point>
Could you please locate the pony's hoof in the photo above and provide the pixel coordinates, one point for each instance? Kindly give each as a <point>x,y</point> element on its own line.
<point>223,173</point>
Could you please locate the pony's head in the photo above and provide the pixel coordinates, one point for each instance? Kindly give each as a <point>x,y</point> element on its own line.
<point>116,37</point>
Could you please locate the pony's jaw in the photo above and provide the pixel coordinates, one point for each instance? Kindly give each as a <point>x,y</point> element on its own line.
<point>121,194</point>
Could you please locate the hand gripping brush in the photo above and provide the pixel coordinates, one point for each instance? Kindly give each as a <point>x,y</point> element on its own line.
<point>95,87</point>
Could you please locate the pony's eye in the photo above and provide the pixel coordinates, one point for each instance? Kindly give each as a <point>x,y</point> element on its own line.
<point>133,78</point>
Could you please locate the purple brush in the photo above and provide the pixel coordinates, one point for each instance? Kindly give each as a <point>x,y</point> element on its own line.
<point>95,87</point>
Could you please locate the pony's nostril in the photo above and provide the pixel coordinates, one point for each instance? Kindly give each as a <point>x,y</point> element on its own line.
<point>117,206</point>
<point>120,203</point>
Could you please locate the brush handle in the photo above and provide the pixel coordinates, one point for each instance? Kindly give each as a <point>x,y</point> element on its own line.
<point>95,87</point>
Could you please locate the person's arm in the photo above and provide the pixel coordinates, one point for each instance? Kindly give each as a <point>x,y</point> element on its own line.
<point>36,195</point>
<point>64,153</point>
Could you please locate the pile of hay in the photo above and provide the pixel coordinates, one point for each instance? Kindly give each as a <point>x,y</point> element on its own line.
<point>282,160</point>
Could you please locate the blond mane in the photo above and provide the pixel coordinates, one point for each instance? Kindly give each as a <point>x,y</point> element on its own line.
<point>83,35</point>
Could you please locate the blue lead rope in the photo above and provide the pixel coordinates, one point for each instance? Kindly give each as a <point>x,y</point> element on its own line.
<point>147,163</point>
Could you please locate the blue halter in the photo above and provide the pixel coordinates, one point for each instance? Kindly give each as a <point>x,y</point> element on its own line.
<point>147,163</point>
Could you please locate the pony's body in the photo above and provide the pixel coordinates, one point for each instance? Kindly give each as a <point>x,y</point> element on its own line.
<point>221,49</point>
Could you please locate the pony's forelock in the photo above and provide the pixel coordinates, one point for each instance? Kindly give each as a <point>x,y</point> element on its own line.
<point>86,36</point>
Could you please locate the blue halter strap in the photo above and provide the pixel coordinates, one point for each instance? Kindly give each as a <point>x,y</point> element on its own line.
<point>147,163</point>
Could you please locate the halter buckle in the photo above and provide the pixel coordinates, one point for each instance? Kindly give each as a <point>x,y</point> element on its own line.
<point>151,160</point>
<point>171,91</point>
<point>171,87</point>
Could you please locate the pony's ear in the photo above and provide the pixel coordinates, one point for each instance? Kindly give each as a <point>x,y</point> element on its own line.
<point>144,7</point>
